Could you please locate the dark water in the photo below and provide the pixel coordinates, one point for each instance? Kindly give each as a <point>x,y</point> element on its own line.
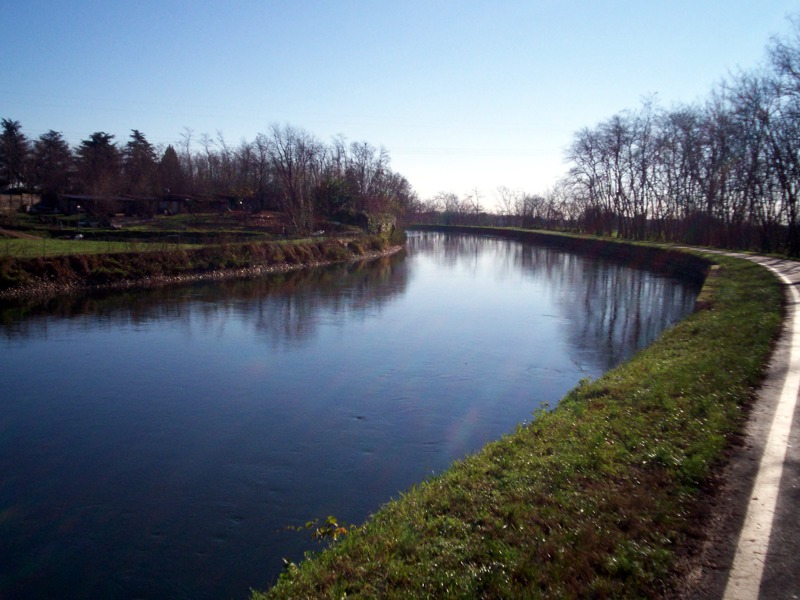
<point>156,445</point>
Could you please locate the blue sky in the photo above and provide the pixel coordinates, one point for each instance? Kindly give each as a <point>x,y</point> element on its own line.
<point>462,94</point>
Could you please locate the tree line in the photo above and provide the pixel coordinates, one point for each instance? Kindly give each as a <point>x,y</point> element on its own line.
<point>285,168</point>
<point>721,172</point>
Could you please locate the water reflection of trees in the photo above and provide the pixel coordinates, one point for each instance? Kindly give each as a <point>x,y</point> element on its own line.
<point>292,314</point>
<point>285,307</point>
<point>611,310</point>
<point>616,311</point>
<point>456,250</point>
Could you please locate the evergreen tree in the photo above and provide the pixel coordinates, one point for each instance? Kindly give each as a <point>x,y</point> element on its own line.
<point>14,150</point>
<point>99,165</point>
<point>170,175</point>
<point>52,165</point>
<point>139,164</point>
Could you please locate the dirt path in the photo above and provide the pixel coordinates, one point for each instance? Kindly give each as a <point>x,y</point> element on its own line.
<point>754,542</point>
<point>18,234</point>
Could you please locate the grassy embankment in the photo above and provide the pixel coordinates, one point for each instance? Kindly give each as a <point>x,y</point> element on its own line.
<point>28,236</point>
<point>45,247</point>
<point>148,262</point>
<point>52,253</point>
<point>604,496</point>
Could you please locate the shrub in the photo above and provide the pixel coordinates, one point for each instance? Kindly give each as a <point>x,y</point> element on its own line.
<point>398,237</point>
<point>356,247</point>
<point>334,251</point>
<point>378,244</point>
<point>11,273</point>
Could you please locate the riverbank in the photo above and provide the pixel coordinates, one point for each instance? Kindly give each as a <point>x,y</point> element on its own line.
<point>607,495</point>
<point>662,260</point>
<point>25,279</point>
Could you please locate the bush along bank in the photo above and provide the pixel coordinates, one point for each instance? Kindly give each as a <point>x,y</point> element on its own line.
<point>21,277</point>
<point>605,496</point>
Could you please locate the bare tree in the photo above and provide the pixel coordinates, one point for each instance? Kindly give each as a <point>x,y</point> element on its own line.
<point>186,155</point>
<point>505,199</point>
<point>296,157</point>
<point>784,134</point>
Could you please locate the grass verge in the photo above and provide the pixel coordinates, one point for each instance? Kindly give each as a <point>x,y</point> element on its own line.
<point>106,269</point>
<point>48,247</point>
<point>601,497</point>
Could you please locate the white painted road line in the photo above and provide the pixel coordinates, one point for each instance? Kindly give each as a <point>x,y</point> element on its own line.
<point>747,571</point>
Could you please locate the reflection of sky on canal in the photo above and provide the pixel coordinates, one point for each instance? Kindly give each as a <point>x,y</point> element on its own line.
<point>158,443</point>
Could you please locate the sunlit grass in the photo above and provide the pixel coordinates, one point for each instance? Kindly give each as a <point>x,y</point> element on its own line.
<point>144,264</point>
<point>600,497</point>
<point>45,247</point>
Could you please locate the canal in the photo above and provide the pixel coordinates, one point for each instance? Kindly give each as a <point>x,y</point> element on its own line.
<point>164,443</point>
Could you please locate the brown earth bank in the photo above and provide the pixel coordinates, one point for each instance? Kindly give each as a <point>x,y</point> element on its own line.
<point>24,279</point>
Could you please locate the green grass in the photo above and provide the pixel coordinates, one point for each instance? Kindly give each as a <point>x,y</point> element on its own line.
<point>160,233</point>
<point>132,265</point>
<point>602,497</point>
<point>47,247</point>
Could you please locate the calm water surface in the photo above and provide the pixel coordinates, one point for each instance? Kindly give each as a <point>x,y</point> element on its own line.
<point>158,444</point>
